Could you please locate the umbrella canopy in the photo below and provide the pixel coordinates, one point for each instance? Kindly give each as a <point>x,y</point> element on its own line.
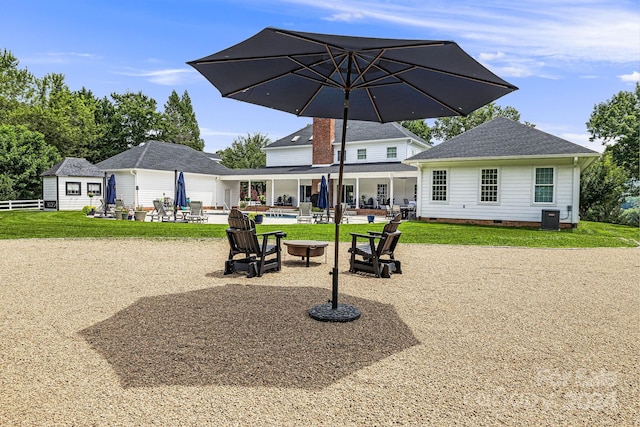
<point>181,192</point>
<point>307,74</point>
<point>323,196</point>
<point>334,76</point>
<point>111,190</point>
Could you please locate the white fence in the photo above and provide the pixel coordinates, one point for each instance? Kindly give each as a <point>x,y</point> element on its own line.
<point>8,205</point>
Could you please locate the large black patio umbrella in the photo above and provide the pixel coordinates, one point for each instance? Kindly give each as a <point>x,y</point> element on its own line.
<point>360,78</point>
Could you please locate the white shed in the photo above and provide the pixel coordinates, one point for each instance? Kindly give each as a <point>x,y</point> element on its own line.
<point>72,184</point>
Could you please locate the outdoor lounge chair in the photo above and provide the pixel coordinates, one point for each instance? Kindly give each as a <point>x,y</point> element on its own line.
<point>305,212</point>
<point>159,212</point>
<point>196,214</point>
<point>389,214</point>
<point>257,254</point>
<point>376,256</point>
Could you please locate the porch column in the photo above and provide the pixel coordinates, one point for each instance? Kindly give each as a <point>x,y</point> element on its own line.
<point>298,193</point>
<point>357,192</point>
<point>273,192</point>
<point>391,201</point>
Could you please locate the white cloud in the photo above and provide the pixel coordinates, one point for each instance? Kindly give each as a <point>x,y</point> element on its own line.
<point>487,57</point>
<point>562,30</point>
<point>210,132</point>
<point>60,57</point>
<point>583,139</point>
<point>633,77</point>
<point>168,77</point>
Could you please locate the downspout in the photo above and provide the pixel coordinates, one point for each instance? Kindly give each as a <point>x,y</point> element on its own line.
<point>576,192</point>
<point>419,191</point>
<point>135,188</point>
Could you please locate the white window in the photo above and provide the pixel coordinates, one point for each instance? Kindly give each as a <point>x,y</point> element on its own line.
<point>73,189</point>
<point>544,185</point>
<point>94,188</point>
<point>489,186</point>
<point>362,154</point>
<point>392,152</point>
<point>439,185</point>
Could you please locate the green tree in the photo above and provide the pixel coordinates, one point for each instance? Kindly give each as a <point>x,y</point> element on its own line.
<point>245,152</point>
<point>179,123</point>
<point>16,85</point>
<point>419,128</point>
<point>65,118</point>
<point>135,119</point>
<point>602,189</point>
<point>617,122</point>
<point>24,155</point>
<point>447,127</point>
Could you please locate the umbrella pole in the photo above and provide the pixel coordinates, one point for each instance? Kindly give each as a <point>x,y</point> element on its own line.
<point>335,312</point>
<point>175,192</point>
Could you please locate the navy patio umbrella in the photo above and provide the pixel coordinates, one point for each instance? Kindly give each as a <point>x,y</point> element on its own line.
<point>181,194</point>
<point>362,78</point>
<point>323,196</point>
<point>110,192</point>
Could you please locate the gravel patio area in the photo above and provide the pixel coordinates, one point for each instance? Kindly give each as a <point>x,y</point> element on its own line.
<point>150,332</point>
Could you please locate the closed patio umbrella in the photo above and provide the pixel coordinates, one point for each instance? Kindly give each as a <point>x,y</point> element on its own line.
<point>323,196</point>
<point>362,78</point>
<point>181,194</point>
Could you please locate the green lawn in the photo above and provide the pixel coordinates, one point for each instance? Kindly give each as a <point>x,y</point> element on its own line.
<point>37,224</point>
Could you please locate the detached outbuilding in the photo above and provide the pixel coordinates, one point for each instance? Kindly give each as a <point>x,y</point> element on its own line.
<point>72,184</point>
<point>502,172</point>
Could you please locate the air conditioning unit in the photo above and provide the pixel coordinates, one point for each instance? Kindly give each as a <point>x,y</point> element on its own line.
<point>550,220</point>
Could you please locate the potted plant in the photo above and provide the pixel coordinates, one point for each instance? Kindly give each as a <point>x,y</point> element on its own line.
<point>122,212</point>
<point>256,217</point>
<point>89,210</point>
<point>263,199</point>
<point>140,214</point>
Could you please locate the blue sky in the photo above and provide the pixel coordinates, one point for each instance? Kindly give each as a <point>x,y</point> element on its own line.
<point>564,55</point>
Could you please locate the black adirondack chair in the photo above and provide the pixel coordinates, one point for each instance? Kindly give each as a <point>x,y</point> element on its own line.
<point>260,252</point>
<point>376,256</point>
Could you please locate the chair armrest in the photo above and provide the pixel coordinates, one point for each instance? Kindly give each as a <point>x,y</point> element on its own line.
<point>273,233</point>
<point>365,236</point>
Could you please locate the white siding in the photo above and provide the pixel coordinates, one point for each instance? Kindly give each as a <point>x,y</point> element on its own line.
<point>376,151</point>
<point>72,202</point>
<point>291,156</point>
<point>515,189</point>
<point>50,189</point>
<point>155,184</point>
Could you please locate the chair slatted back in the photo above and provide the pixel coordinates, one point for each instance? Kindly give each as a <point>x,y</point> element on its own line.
<point>196,208</point>
<point>388,243</point>
<point>242,233</point>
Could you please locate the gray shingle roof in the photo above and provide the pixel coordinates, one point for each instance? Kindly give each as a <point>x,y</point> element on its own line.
<point>356,131</point>
<point>502,137</point>
<point>73,166</point>
<point>323,170</point>
<point>164,156</point>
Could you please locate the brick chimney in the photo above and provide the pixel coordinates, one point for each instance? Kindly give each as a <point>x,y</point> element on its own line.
<point>324,131</point>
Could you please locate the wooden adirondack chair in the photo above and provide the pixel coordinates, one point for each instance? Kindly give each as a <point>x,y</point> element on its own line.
<point>257,256</point>
<point>376,256</point>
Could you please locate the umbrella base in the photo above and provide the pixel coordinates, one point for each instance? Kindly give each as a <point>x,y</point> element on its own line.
<point>343,313</point>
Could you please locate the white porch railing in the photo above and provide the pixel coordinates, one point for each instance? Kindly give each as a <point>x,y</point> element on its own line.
<point>8,205</point>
